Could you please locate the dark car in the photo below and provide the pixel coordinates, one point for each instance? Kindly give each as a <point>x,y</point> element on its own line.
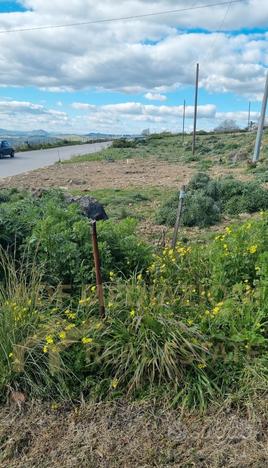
<point>6,149</point>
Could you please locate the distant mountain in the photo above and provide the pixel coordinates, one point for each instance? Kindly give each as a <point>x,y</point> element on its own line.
<point>108,135</point>
<point>20,133</point>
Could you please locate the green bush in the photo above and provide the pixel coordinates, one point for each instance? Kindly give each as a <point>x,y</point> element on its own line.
<point>58,238</point>
<point>124,143</point>
<point>208,199</point>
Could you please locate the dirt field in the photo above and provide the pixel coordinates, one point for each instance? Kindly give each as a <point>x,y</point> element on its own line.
<point>119,174</point>
<point>130,436</point>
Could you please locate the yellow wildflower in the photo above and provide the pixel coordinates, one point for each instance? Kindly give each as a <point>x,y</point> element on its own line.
<point>132,313</point>
<point>45,349</point>
<point>201,366</point>
<point>114,383</point>
<point>86,340</point>
<point>93,288</point>
<point>253,249</point>
<point>228,230</point>
<point>62,335</point>
<point>139,277</point>
<point>10,355</point>
<point>190,322</point>
<point>49,339</point>
<point>70,326</point>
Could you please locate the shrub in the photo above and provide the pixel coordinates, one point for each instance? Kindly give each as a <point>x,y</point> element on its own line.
<point>124,143</point>
<point>208,199</point>
<point>58,238</point>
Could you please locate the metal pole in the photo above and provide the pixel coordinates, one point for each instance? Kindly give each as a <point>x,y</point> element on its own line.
<point>96,255</point>
<point>183,120</point>
<point>195,106</point>
<point>249,114</point>
<point>179,215</point>
<point>257,150</point>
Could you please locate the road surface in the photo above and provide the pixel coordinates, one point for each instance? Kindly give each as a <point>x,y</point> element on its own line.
<point>30,160</point>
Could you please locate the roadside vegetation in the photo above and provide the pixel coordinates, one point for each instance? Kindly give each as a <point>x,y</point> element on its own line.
<point>189,324</point>
<point>217,148</point>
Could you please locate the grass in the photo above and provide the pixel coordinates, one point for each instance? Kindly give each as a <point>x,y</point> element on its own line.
<point>211,149</point>
<point>192,327</point>
<point>135,202</point>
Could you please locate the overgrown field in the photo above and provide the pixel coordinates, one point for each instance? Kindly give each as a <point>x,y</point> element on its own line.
<point>189,323</point>
<point>186,327</point>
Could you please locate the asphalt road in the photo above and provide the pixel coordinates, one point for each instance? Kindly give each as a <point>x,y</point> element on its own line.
<point>30,160</point>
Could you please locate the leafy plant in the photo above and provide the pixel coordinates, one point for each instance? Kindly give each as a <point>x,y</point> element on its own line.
<point>208,199</point>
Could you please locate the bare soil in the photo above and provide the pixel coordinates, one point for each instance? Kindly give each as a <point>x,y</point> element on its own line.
<point>119,174</point>
<point>124,435</point>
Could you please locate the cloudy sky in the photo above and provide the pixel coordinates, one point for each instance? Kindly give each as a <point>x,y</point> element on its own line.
<point>128,75</point>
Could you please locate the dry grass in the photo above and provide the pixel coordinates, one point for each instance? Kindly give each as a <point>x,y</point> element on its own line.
<point>124,435</point>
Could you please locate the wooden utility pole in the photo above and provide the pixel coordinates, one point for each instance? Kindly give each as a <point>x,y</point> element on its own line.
<point>249,114</point>
<point>183,120</point>
<point>257,150</point>
<point>96,255</point>
<point>195,107</point>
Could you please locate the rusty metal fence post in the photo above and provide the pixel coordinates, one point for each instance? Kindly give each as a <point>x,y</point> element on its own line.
<point>179,216</point>
<point>99,283</point>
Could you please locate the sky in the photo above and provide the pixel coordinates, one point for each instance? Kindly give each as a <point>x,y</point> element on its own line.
<point>130,75</point>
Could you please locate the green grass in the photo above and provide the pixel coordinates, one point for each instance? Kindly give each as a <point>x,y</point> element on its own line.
<point>210,149</point>
<point>134,202</point>
<point>192,328</point>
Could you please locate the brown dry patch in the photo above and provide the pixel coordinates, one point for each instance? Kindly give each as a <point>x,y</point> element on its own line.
<point>120,174</point>
<point>125,435</point>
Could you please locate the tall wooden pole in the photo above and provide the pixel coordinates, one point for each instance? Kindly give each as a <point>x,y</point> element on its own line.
<point>96,255</point>
<point>257,150</point>
<point>183,120</point>
<point>195,107</point>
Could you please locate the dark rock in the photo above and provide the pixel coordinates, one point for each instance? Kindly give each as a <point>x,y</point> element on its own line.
<point>91,208</point>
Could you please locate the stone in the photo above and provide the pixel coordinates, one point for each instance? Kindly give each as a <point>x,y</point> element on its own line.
<point>90,207</point>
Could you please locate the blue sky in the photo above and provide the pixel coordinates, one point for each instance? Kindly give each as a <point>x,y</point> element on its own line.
<point>128,76</point>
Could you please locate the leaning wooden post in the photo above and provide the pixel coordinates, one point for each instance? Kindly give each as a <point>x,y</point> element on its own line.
<point>179,216</point>
<point>99,284</point>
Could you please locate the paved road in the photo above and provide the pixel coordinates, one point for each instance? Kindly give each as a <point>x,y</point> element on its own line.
<point>30,160</point>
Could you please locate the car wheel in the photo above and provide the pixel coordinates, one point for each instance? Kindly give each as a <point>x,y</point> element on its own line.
<point>12,154</point>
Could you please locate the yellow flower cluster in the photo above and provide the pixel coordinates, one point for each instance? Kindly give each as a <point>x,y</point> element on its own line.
<point>86,340</point>
<point>215,311</point>
<point>252,249</point>
<point>71,315</point>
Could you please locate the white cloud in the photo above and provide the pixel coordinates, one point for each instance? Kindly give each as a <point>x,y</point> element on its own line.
<point>155,97</point>
<point>127,117</point>
<point>136,108</point>
<point>151,55</point>
<point>24,115</point>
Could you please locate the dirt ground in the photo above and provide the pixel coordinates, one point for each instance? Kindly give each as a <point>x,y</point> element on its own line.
<point>119,174</point>
<point>130,436</point>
